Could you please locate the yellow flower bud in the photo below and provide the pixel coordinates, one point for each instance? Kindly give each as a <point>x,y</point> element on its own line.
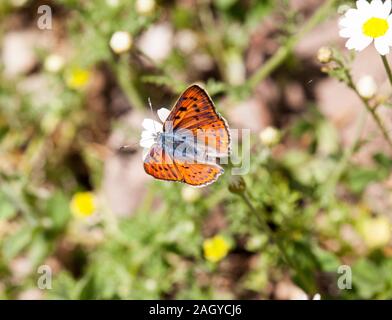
<point>324,55</point>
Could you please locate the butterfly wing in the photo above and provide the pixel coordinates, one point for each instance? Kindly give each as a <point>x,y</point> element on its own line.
<point>160,165</point>
<point>195,111</point>
<point>199,174</point>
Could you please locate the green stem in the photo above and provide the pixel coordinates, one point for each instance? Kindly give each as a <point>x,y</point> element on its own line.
<point>124,75</point>
<point>371,110</point>
<point>265,227</point>
<point>214,41</point>
<point>379,123</point>
<point>387,68</point>
<point>344,161</point>
<point>284,51</point>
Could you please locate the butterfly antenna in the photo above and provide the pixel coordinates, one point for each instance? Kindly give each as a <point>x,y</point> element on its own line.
<point>152,113</point>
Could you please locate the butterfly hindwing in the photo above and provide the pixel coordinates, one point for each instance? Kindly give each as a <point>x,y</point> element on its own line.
<point>160,165</point>
<point>199,174</point>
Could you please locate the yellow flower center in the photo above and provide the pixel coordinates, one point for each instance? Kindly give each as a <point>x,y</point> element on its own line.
<point>375,27</point>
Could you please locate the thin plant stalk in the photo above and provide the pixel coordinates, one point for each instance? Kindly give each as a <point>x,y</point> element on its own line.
<point>387,68</point>
<point>284,51</point>
<point>372,111</point>
<point>344,161</point>
<point>265,227</point>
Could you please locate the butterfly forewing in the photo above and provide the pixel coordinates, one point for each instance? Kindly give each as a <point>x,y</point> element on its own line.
<point>195,111</point>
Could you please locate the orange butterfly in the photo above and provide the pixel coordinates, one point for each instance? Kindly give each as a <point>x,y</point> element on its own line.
<point>187,145</point>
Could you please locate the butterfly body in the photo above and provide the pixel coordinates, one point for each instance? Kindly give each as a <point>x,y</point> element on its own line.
<point>191,139</point>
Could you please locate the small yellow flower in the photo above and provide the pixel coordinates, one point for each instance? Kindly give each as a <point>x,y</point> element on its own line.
<point>78,78</point>
<point>83,204</point>
<point>215,248</point>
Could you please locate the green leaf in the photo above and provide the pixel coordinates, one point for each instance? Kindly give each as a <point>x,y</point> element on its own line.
<point>225,4</point>
<point>358,178</point>
<point>327,260</point>
<point>15,243</point>
<point>58,210</point>
<point>39,249</point>
<point>367,278</point>
<point>7,210</point>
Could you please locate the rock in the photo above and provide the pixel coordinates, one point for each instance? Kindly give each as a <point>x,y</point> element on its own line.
<point>124,181</point>
<point>251,114</point>
<point>157,42</point>
<point>18,53</point>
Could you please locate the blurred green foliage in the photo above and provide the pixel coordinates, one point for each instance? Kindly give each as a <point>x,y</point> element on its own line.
<point>49,152</point>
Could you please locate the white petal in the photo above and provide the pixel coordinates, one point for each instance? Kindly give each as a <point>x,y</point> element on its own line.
<point>346,22</point>
<point>152,125</point>
<point>146,143</point>
<point>148,134</point>
<point>347,32</point>
<point>358,42</point>
<point>163,113</point>
<point>363,42</point>
<point>376,7</point>
<point>388,37</point>
<point>387,6</point>
<point>355,18</point>
<point>351,13</point>
<point>363,5</point>
<point>381,46</point>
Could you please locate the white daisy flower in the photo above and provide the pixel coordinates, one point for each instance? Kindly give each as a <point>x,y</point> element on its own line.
<point>368,22</point>
<point>151,130</point>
